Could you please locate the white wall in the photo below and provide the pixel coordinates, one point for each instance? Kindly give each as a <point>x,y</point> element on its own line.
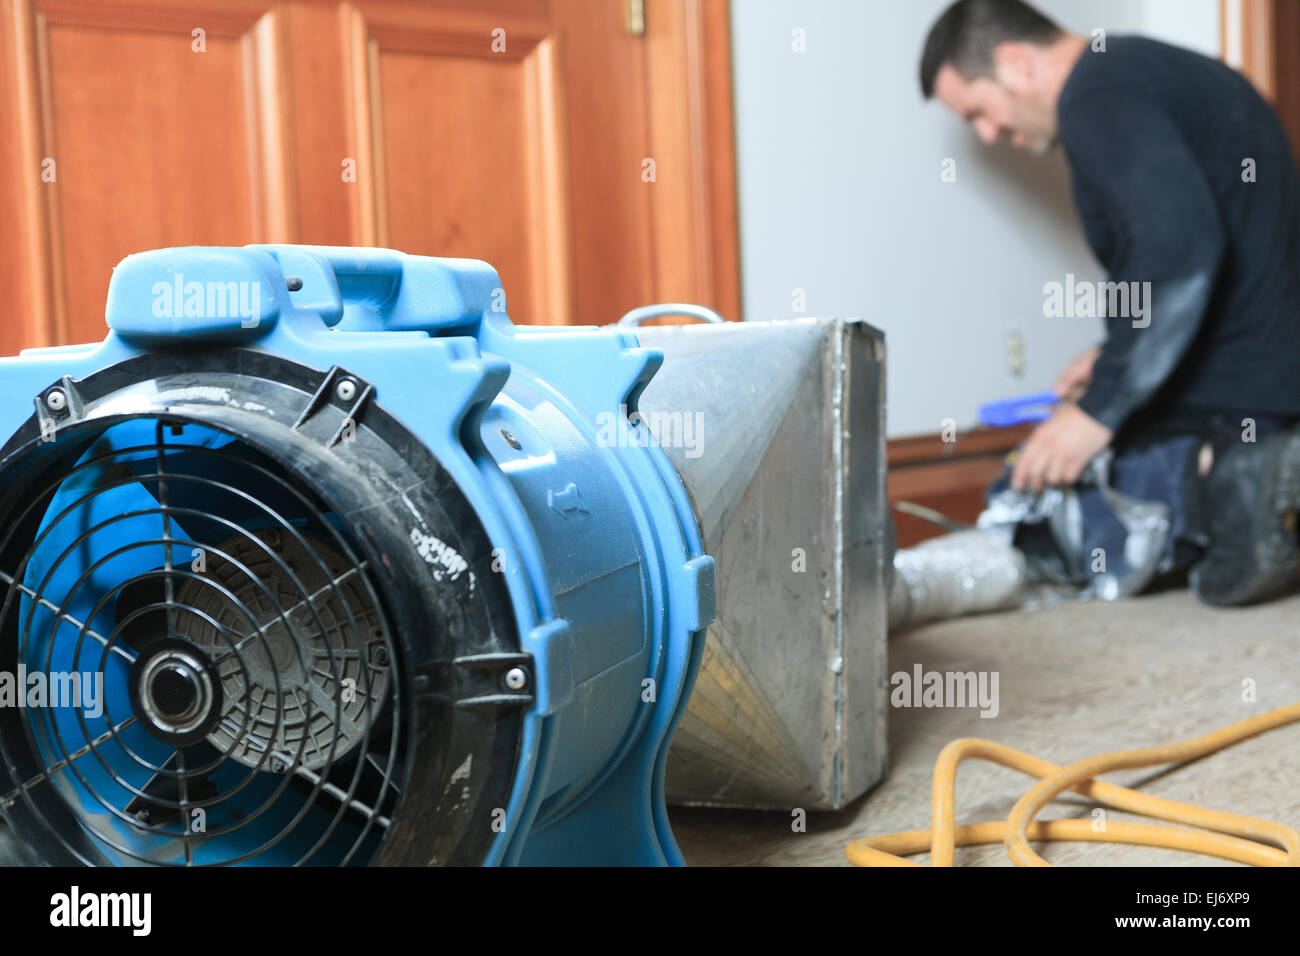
<point>839,163</point>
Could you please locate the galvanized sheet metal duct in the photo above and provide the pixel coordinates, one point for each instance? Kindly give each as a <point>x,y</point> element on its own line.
<point>787,476</point>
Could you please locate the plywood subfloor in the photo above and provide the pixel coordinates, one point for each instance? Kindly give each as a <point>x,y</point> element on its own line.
<point>1074,679</point>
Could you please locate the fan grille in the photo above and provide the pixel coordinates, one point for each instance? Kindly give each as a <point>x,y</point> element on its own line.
<point>248,706</point>
<point>327,668</point>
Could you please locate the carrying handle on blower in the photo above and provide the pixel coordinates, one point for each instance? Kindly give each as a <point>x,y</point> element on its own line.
<point>703,313</point>
<point>366,289</point>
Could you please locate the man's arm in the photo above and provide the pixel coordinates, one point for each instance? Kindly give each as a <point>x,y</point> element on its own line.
<point>1165,230</point>
<point>1074,379</point>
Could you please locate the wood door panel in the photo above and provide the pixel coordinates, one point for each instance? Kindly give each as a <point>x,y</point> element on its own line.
<point>369,122</point>
<point>608,141</point>
<point>190,184</point>
<point>457,121</point>
<point>19,264</point>
<point>450,194</point>
<point>153,143</point>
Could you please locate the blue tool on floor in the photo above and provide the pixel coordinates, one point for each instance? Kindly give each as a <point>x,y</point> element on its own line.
<point>1019,409</point>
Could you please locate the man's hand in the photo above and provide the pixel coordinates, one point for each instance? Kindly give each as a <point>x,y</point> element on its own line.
<point>1073,382</point>
<point>1056,452</point>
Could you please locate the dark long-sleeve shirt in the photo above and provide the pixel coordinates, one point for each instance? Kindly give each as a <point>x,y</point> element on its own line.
<point>1184,179</point>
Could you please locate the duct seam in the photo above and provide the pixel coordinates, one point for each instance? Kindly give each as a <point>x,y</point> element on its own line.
<point>837,460</point>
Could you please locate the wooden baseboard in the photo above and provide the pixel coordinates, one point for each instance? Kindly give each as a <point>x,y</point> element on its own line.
<point>949,477</point>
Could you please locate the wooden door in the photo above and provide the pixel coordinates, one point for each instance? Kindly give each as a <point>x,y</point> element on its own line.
<point>1262,37</point>
<point>128,130</point>
<point>583,147</point>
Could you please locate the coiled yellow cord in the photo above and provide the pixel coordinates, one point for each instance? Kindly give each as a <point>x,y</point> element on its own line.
<point>1231,836</point>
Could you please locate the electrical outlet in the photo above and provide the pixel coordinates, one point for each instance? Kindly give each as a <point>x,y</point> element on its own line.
<point>1015,352</point>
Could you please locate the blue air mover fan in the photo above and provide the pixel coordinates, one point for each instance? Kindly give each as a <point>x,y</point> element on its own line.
<point>318,559</point>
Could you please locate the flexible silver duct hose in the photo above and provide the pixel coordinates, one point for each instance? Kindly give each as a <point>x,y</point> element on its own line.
<point>960,573</point>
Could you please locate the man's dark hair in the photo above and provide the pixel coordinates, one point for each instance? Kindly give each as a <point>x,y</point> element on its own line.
<point>965,36</point>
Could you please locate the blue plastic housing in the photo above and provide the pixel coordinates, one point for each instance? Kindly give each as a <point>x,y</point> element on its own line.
<point>595,535</point>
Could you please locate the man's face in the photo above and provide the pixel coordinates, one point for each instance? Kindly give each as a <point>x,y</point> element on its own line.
<point>1007,106</point>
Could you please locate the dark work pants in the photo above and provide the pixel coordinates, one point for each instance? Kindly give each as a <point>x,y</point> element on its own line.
<point>1107,517</point>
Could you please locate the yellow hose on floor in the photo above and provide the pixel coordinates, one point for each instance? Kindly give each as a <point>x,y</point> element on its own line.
<point>1231,836</point>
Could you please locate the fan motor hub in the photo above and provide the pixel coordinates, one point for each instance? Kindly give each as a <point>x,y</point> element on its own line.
<point>175,692</point>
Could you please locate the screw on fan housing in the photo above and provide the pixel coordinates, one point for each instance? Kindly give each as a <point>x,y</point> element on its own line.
<point>306,681</point>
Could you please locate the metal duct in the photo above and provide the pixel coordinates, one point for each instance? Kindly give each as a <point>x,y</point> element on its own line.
<point>786,471</point>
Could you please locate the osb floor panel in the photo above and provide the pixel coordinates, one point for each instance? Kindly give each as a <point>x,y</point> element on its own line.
<point>1075,679</point>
